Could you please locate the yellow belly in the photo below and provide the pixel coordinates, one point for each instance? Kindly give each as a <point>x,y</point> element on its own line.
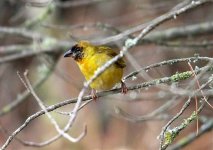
<point>107,79</point>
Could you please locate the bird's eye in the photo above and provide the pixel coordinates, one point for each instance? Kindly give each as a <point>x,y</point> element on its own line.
<point>76,48</point>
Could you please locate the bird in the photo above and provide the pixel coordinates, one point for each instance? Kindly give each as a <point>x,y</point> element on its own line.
<point>90,57</point>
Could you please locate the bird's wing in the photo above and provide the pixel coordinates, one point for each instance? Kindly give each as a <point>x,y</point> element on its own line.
<point>108,51</point>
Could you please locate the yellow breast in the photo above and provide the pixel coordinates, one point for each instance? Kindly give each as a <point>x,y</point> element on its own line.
<point>108,78</point>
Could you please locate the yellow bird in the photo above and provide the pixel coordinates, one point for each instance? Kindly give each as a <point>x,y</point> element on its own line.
<point>90,57</point>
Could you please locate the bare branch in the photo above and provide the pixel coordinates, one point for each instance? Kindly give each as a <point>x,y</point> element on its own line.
<point>100,94</point>
<point>206,127</point>
<point>177,116</point>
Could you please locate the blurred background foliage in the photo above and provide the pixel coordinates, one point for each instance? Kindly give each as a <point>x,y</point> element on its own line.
<point>66,21</point>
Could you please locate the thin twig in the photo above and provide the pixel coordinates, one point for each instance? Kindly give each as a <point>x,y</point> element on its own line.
<point>172,134</point>
<point>128,44</point>
<point>167,62</point>
<point>207,126</point>
<point>99,94</point>
<point>52,120</point>
<point>132,42</point>
<point>179,113</point>
<point>196,101</point>
<point>198,84</point>
<point>24,95</point>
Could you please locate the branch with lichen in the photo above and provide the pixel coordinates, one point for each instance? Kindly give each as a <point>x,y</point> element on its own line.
<point>129,43</point>
<point>174,78</point>
<point>167,136</point>
<point>206,127</point>
<point>171,134</point>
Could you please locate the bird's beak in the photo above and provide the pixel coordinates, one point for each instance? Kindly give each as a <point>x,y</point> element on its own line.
<point>68,53</point>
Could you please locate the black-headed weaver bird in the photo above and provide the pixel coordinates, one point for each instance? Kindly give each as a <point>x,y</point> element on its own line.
<point>90,57</point>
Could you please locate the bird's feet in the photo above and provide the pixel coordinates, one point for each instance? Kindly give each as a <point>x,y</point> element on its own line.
<point>124,89</point>
<point>94,95</point>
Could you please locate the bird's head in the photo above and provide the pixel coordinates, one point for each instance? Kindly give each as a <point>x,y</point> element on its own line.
<point>77,51</point>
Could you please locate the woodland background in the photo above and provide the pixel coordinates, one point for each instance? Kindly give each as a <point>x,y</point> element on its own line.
<point>35,33</point>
